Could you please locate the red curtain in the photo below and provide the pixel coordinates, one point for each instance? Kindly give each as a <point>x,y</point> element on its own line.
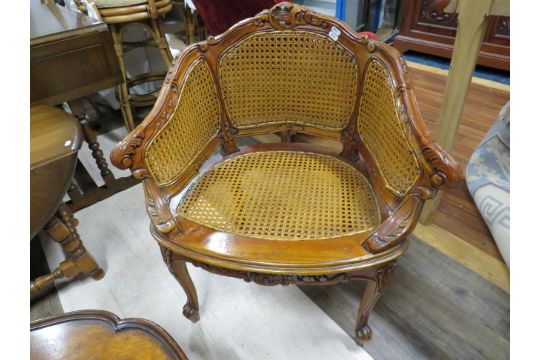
<point>219,15</point>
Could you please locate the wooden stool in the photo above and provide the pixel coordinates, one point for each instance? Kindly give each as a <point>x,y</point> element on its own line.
<point>117,14</point>
<point>100,335</point>
<point>55,138</point>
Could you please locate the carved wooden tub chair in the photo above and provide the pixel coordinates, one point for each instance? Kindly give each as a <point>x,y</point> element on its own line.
<point>286,213</point>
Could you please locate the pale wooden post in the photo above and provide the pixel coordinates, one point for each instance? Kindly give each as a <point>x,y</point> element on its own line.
<point>472,23</point>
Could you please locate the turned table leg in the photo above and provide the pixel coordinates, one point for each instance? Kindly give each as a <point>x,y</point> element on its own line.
<point>178,268</point>
<point>377,282</point>
<point>62,229</point>
<point>90,136</point>
<point>87,192</point>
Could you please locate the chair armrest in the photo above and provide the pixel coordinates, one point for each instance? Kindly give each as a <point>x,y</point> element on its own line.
<point>157,206</point>
<point>445,171</point>
<point>400,223</point>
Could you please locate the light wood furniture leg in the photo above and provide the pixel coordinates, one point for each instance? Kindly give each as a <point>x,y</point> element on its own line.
<point>159,38</point>
<point>189,19</point>
<point>179,270</point>
<point>123,93</point>
<point>377,282</point>
<point>62,229</point>
<point>473,21</point>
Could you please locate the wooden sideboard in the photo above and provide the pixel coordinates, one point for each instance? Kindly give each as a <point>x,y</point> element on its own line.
<point>426,28</point>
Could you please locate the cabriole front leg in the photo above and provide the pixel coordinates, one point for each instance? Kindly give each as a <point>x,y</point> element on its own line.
<point>178,268</point>
<point>377,281</point>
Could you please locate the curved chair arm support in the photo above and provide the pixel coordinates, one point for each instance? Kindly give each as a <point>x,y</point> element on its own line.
<point>400,223</point>
<point>128,155</point>
<point>158,209</point>
<point>441,169</point>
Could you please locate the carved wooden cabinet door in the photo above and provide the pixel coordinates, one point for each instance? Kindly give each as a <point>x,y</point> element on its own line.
<point>426,28</point>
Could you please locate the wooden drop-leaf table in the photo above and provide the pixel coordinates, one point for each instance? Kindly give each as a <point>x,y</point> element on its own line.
<point>71,57</point>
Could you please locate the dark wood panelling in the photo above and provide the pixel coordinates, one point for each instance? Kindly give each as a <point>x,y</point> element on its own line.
<point>426,28</point>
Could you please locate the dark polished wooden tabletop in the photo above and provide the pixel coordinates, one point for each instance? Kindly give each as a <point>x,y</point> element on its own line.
<point>51,22</point>
<point>71,55</point>
<point>100,335</point>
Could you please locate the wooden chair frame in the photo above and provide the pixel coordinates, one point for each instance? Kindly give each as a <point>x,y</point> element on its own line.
<point>372,255</point>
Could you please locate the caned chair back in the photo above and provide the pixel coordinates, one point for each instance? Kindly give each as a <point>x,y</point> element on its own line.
<point>287,70</point>
<point>289,77</point>
<point>193,123</point>
<point>383,131</point>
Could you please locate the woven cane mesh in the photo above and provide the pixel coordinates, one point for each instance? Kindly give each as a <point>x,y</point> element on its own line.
<point>193,124</point>
<point>282,195</point>
<point>381,129</point>
<point>288,77</point>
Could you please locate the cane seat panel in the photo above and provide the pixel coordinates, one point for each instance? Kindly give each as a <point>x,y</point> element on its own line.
<point>291,77</point>
<point>382,131</point>
<point>193,124</point>
<point>282,195</point>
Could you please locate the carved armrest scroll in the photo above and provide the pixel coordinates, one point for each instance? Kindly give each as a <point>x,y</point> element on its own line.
<point>124,154</point>
<point>445,171</point>
<point>400,223</point>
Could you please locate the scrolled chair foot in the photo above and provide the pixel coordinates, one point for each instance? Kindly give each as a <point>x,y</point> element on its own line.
<point>178,268</point>
<point>97,274</point>
<point>191,312</point>
<point>363,334</point>
<point>377,281</point>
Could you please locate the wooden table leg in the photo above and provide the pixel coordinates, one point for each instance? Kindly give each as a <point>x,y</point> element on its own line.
<point>62,228</point>
<point>90,137</point>
<point>74,192</point>
<point>112,185</point>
